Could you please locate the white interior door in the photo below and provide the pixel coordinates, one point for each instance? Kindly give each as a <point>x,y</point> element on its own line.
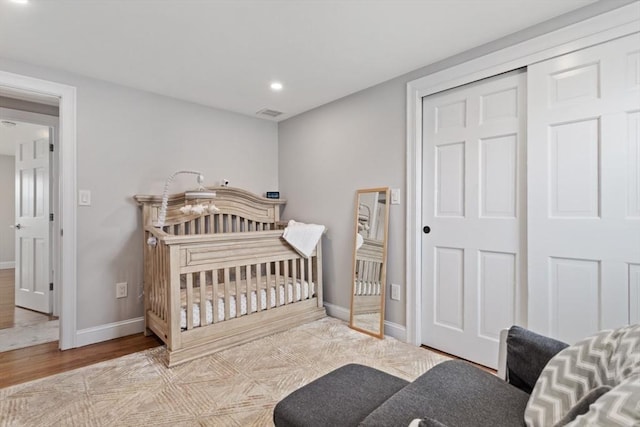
<point>32,225</point>
<point>473,203</point>
<point>584,190</point>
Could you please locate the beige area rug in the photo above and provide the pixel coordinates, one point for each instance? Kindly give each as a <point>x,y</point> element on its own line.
<point>30,328</point>
<point>235,387</point>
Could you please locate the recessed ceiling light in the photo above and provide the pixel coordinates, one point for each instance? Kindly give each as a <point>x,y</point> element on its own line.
<point>276,86</point>
<point>20,1</point>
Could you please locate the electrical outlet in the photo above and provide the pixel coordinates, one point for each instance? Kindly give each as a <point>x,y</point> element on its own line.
<point>121,290</point>
<point>395,292</point>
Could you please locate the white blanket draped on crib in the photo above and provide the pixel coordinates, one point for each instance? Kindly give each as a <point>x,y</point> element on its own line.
<point>303,237</point>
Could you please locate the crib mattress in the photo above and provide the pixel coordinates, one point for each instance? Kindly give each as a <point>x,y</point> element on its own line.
<point>293,296</point>
<point>366,288</point>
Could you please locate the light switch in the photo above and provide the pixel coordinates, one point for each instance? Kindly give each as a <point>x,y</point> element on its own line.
<point>395,292</point>
<point>395,196</point>
<point>84,198</point>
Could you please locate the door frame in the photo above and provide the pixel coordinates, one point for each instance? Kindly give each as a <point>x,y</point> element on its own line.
<point>597,29</point>
<point>66,262</point>
<point>54,170</point>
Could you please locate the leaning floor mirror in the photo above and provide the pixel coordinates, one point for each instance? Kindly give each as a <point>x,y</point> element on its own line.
<point>370,261</point>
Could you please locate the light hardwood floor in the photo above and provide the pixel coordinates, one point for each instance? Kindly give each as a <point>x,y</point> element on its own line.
<point>7,296</point>
<point>26,364</point>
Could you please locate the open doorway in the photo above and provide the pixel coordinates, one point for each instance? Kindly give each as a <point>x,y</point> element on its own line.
<point>29,303</point>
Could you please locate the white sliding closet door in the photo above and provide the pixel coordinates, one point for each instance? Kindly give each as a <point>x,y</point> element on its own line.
<point>473,203</point>
<point>584,190</point>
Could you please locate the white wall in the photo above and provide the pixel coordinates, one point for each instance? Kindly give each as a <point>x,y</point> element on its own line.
<point>128,142</point>
<point>360,142</point>
<point>7,211</point>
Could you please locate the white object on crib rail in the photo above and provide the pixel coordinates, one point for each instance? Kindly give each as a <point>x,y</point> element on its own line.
<point>199,209</point>
<point>303,237</point>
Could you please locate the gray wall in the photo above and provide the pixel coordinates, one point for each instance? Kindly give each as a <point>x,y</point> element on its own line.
<point>7,209</point>
<point>329,153</point>
<point>128,142</point>
<point>360,141</point>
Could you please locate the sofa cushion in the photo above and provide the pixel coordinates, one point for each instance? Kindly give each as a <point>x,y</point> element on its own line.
<point>610,359</point>
<point>454,393</point>
<point>343,397</point>
<point>527,355</point>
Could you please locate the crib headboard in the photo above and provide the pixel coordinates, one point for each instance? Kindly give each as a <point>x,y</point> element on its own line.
<point>240,210</point>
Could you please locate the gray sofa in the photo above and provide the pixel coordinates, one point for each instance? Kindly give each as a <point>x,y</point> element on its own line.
<point>453,393</point>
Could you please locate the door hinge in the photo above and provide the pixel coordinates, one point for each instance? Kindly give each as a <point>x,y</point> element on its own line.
<point>51,147</point>
<point>51,286</point>
<point>50,217</point>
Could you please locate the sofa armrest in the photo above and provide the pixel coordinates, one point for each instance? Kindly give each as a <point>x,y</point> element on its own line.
<point>502,355</point>
<point>527,353</point>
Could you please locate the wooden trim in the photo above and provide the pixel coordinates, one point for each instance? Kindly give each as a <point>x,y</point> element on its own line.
<point>67,197</point>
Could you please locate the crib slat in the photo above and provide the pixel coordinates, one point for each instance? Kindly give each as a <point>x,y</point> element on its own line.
<point>268,287</point>
<point>203,298</point>
<point>249,290</point>
<point>227,299</point>
<point>163,273</point>
<point>302,280</point>
<point>317,276</point>
<point>259,287</point>
<point>294,279</point>
<point>286,281</point>
<point>214,294</point>
<point>310,276</point>
<point>238,294</point>
<point>189,301</point>
<point>173,298</point>
<point>277,283</point>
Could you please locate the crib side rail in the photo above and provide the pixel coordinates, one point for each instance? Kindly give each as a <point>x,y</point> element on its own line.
<point>250,272</point>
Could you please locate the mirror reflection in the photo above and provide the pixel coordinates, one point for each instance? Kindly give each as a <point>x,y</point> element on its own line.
<point>369,260</point>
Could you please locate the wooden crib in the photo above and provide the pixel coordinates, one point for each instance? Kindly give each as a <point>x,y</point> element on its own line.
<point>218,279</point>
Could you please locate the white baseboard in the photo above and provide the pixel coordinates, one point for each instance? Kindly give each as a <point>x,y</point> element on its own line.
<point>391,329</point>
<point>109,331</point>
<point>399,332</point>
<point>7,265</point>
<point>338,312</point>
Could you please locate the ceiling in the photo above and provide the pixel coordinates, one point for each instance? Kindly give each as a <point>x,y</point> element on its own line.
<point>21,132</point>
<point>225,53</point>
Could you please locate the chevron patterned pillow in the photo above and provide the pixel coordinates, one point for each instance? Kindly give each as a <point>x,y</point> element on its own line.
<point>610,359</point>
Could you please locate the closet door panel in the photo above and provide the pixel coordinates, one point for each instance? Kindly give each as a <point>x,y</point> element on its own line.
<point>473,201</point>
<point>583,230</point>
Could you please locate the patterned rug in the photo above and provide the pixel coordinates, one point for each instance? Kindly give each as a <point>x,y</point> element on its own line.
<point>235,387</point>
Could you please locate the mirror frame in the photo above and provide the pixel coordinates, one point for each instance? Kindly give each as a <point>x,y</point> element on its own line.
<point>383,272</point>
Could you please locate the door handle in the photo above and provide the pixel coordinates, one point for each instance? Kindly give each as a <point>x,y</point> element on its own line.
<point>426,229</point>
<point>18,226</point>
